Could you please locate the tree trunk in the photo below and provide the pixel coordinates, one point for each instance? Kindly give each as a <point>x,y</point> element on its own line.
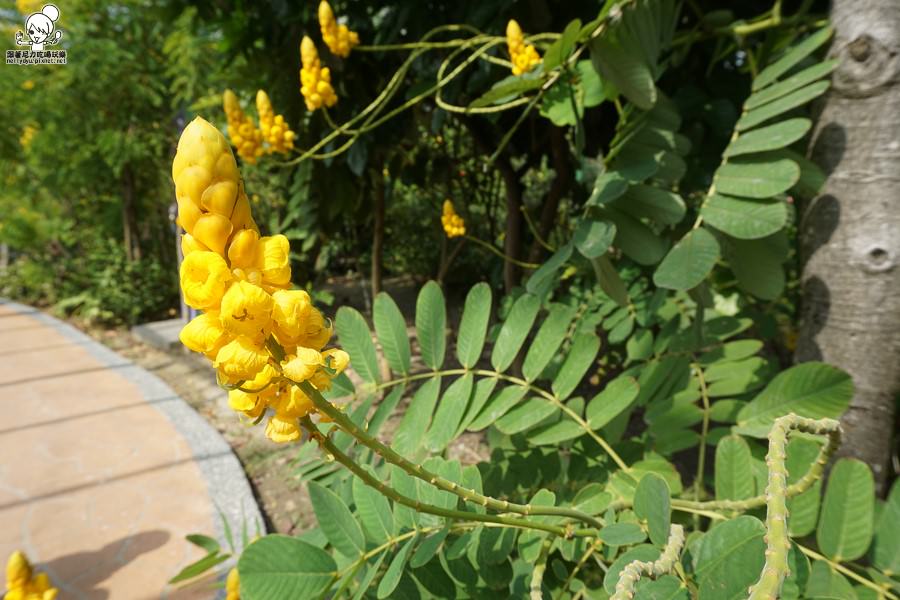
<point>558,189</point>
<point>850,235</point>
<point>378,232</point>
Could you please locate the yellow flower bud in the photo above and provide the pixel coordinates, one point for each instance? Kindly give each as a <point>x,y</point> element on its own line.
<point>303,365</point>
<point>189,244</point>
<point>18,570</point>
<point>220,198</point>
<point>317,333</point>
<point>292,309</point>
<point>282,430</point>
<point>247,310</point>
<point>232,585</point>
<point>240,359</point>
<point>213,231</point>
<point>204,278</point>
<point>336,360</point>
<point>274,260</point>
<point>242,250</point>
<point>204,334</point>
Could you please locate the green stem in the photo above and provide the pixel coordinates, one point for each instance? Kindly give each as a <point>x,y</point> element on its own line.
<point>540,566</point>
<point>468,495</point>
<point>778,542</point>
<point>704,431</point>
<point>491,248</point>
<point>633,571</point>
<point>882,591</point>
<point>391,493</point>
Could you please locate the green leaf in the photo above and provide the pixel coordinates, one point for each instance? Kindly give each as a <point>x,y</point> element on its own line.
<point>652,202</point>
<point>395,570</point>
<point>635,239</point>
<point>374,511</point>
<point>610,281</point>
<point>667,587</point>
<point>498,406</point>
<point>473,325</point>
<point>734,472</point>
<point>591,499</point>
<point>391,329</point>
<point>428,548</point>
<point>627,71</point>
<point>640,345</point>
<point>554,433</point>
<point>508,89</point>
<point>547,272</point>
<point>483,389</point>
<point>644,552</point>
<point>827,584</point>
<point>792,83</point>
<point>431,324</point>
<point>411,431</point>
<point>791,58</point>
<point>886,549</point>
<point>525,415</point>
<point>803,509</point>
<point>689,262</point>
<point>581,356</point>
<point>773,137</point>
<point>730,559</point>
<point>356,339</point>
<point>614,399</point>
<point>405,484</point>
<point>548,340</point>
<point>731,351</point>
<point>372,570</point>
<point>757,266</point>
<point>560,50</point>
<point>514,331</point>
<point>278,566</point>
<point>607,187</point>
<point>745,219</point>
<point>336,521</point>
<point>787,102</point>
<point>811,389</point>
<point>450,411</point>
<point>652,505</point>
<point>758,177</point>
<point>494,544</point>
<point>845,528</point>
<point>203,541</point>
<point>199,567</point>
<point>593,238</point>
<point>622,534</point>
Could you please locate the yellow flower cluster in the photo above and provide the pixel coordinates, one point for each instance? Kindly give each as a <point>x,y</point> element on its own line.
<point>240,280</point>
<point>27,136</point>
<point>22,583</point>
<point>233,585</point>
<point>244,134</point>
<point>339,39</point>
<point>315,80</point>
<point>524,57</point>
<point>275,131</point>
<point>454,226</point>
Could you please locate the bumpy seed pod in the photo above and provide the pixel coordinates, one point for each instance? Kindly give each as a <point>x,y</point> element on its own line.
<point>315,80</point>
<point>339,39</point>
<point>212,205</point>
<point>275,130</point>
<point>523,56</point>
<point>244,134</point>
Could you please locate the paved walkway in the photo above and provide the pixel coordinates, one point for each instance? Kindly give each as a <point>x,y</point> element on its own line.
<point>103,469</point>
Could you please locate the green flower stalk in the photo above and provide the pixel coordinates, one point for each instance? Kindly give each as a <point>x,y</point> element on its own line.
<point>778,542</point>
<point>634,570</point>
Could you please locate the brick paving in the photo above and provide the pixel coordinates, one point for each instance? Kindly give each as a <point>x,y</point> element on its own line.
<point>103,469</point>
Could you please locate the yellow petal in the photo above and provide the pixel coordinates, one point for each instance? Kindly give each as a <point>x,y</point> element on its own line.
<point>18,570</point>
<point>274,260</point>
<point>190,244</point>
<point>204,334</point>
<point>282,430</point>
<point>213,231</point>
<point>292,309</point>
<point>243,247</point>
<point>247,310</point>
<point>220,198</point>
<point>336,359</point>
<point>241,359</point>
<point>302,366</point>
<point>204,278</point>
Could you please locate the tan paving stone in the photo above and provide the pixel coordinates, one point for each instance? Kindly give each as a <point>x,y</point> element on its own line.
<point>96,484</point>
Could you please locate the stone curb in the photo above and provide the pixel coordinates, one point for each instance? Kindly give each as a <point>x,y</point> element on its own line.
<point>226,481</point>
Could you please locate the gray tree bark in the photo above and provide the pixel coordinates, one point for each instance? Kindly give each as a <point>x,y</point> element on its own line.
<point>850,234</point>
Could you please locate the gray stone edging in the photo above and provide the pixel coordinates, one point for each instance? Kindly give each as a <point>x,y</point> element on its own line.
<point>226,481</point>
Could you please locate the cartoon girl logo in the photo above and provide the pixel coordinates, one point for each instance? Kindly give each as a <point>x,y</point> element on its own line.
<point>40,29</point>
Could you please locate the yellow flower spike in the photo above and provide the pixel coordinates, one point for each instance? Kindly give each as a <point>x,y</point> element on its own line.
<point>273,260</point>
<point>204,278</point>
<point>240,359</point>
<point>315,81</point>
<point>242,131</point>
<point>247,310</point>
<point>282,429</point>
<point>213,230</point>
<point>523,56</point>
<point>232,585</point>
<point>204,334</point>
<point>18,570</point>
<point>453,224</point>
<point>291,310</point>
<point>339,39</point>
<point>243,249</point>
<point>274,128</point>
<point>303,365</point>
